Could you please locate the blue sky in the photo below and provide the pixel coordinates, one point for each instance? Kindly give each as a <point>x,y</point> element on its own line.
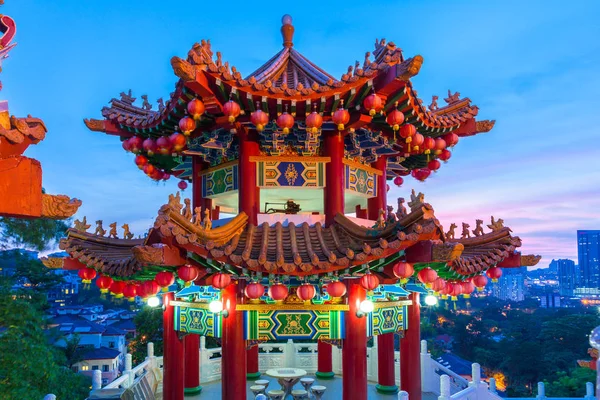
<point>532,66</point>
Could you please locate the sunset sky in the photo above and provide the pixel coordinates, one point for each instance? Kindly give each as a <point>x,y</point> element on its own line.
<point>532,66</point>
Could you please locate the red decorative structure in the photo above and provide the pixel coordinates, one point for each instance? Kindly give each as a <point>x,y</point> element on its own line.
<point>291,151</point>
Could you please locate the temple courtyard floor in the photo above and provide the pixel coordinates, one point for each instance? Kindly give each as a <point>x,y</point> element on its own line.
<point>334,390</point>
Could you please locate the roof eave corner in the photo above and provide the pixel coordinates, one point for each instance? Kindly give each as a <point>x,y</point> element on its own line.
<point>95,125</point>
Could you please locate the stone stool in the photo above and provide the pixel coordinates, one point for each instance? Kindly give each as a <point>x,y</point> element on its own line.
<point>307,383</point>
<point>257,389</point>
<point>276,394</point>
<point>262,382</point>
<point>318,391</point>
<point>299,394</point>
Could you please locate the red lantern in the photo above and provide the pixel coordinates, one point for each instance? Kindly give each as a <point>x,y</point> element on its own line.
<point>187,273</point>
<point>178,141</point>
<point>86,274</point>
<point>285,121</point>
<point>135,144</point>
<point>467,288</point>
<point>494,273</point>
<point>149,169</point>
<point>480,281</point>
<point>373,103</point>
<point>440,144</point>
<point>130,291</point>
<point>141,161</point>
<point>278,292</point>
<point>438,285</point>
<point>260,119</point>
<point>166,176</point>
<point>369,281</point>
<point>451,139</point>
<point>340,118</point>
<point>117,288</point>
<point>163,145</point>
<point>140,290</point>
<point>221,280</point>
<point>149,146</point>
<point>306,292</point>
<point>126,145</point>
<point>417,141</point>
<point>456,290</point>
<point>150,288</point>
<point>164,279</point>
<point>398,181</point>
<point>232,110</point>
<point>254,290</point>
<point>314,122</point>
<point>195,108</point>
<point>182,185</point>
<point>407,131</point>
<point>336,289</point>
<point>421,174</point>
<point>403,270</point>
<point>156,174</point>
<point>103,282</point>
<point>434,165</point>
<point>187,125</point>
<point>447,290</point>
<point>428,145</point>
<point>427,275</point>
<point>395,118</point>
<point>445,155</point>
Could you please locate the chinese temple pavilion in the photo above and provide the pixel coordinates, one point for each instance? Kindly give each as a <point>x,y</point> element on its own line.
<point>290,152</point>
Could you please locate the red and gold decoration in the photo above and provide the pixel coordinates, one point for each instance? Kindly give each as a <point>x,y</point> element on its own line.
<point>254,290</point>
<point>427,276</point>
<point>285,122</point>
<point>369,282</point>
<point>403,271</point>
<point>336,289</point>
<point>104,283</point>
<point>395,118</point>
<point>87,274</point>
<point>150,288</point>
<point>130,291</point>
<point>467,288</point>
<point>231,110</point>
<point>259,118</point>
<point>438,285</point>
<point>341,117</point>
<point>306,292</point>
<point>480,281</point>
<point>407,132</point>
<point>314,121</point>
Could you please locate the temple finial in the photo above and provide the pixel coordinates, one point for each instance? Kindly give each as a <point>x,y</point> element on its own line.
<point>287,30</point>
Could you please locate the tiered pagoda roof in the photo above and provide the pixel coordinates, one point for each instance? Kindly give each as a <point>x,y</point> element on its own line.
<point>344,247</point>
<point>289,81</point>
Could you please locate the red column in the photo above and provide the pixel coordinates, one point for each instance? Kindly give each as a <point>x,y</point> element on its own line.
<point>385,362</point>
<point>233,364</point>
<point>248,192</point>
<point>191,345</point>
<point>410,348</point>
<point>324,362</point>
<point>334,175</point>
<point>252,372</point>
<point>173,359</point>
<point>379,202</point>
<point>354,346</point>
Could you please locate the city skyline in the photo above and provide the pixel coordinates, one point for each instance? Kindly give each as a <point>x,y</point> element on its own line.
<point>525,78</point>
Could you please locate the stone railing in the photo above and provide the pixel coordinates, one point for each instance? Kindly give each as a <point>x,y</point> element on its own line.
<point>435,377</point>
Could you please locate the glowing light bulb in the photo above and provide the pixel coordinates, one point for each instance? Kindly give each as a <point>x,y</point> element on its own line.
<point>431,300</point>
<point>366,306</point>
<point>215,306</point>
<point>153,301</point>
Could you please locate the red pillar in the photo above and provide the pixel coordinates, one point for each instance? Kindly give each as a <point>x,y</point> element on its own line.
<point>379,202</point>
<point>173,358</point>
<point>354,346</point>
<point>248,192</point>
<point>324,362</point>
<point>334,175</point>
<point>233,364</point>
<point>410,351</point>
<point>191,343</point>
<point>386,382</point>
<point>252,372</point>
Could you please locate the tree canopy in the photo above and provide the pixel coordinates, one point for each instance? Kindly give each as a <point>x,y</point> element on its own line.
<point>36,234</point>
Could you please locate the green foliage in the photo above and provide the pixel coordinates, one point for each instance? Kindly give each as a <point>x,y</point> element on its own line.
<point>524,343</point>
<point>570,385</point>
<point>29,367</point>
<point>149,328</point>
<point>36,234</point>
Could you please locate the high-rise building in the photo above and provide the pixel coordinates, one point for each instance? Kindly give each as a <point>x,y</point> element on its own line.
<point>511,285</point>
<point>588,252</point>
<point>566,275</point>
